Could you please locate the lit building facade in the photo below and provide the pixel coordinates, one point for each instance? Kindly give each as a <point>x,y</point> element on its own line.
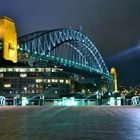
<point>32,81</point>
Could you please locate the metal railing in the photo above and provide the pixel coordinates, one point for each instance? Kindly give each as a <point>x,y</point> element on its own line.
<point>135,100</point>
<point>71,102</point>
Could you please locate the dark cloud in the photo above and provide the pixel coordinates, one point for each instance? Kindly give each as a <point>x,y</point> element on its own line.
<point>113,25</point>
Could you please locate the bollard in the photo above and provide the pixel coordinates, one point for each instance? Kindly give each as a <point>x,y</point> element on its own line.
<point>112,101</point>
<point>118,101</point>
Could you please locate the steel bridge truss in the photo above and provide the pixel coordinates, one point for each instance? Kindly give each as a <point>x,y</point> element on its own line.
<point>65,46</point>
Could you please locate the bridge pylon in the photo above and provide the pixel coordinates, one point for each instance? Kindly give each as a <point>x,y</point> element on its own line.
<point>8,39</point>
<point>114,74</point>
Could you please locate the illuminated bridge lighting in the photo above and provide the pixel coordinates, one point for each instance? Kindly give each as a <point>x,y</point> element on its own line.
<point>63,46</point>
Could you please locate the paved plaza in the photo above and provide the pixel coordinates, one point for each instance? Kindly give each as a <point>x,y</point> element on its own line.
<point>69,123</point>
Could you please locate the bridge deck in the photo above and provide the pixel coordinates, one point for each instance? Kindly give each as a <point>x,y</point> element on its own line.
<point>70,123</point>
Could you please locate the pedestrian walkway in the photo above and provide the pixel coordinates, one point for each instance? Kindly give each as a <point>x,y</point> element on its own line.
<point>69,123</point>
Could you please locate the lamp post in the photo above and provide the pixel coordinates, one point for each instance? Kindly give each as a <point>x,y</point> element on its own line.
<point>25,89</point>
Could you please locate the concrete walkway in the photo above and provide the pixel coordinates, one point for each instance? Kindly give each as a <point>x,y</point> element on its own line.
<point>70,123</point>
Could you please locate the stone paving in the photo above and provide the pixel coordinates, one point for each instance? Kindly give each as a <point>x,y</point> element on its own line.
<point>70,123</point>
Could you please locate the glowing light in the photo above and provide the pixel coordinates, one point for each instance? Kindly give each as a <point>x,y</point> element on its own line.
<point>67,81</point>
<point>24,101</point>
<point>112,101</point>
<point>61,81</point>
<point>39,80</point>
<point>23,75</point>
<point>21,49</point>
<point>68,102</point>
<point>65,102</point>
<point>1,74</point>
<point>118,101</point>
<point>7,85</point>
<point>55,80</point>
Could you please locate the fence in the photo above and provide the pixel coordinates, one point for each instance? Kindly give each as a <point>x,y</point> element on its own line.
<point>70,102</point>
<point>136,100</point>
<point>2,100</point>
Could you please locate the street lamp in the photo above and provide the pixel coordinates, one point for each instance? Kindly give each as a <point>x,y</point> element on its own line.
<point>25,89</point>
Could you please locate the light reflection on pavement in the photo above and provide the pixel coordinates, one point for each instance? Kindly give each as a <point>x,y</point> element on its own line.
<point>69,123</point>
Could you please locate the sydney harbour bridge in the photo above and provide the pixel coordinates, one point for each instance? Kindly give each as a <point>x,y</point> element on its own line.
<point>66,47</point>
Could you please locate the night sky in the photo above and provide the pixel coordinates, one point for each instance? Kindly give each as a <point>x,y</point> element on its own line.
<point>112,25</point>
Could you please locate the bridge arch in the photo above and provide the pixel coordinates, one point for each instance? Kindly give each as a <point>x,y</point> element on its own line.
<point>47,44</point>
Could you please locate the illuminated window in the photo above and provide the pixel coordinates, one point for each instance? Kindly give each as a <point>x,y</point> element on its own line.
<point>55,80</point>
<point>33,91</point>
<point>49,80</point>
<point>67,81</point>
<point>61,81</point>
<point>7,85</point>
<point>40,69</point>
<point>1,74</point>
<point>39,80</point>
<point>17,69</point>
<point>22,70</point>
<point>32,69</point>
<point>54,70</point>
<point>1,70</point>
<point>10,69</point>
<point>48,69</point>
<point>23,75</point>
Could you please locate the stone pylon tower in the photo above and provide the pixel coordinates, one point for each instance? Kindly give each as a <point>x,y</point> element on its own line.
<point>114,74</point>
<point>8,39</point>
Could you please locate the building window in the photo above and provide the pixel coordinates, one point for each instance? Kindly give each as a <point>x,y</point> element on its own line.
<point>1,70</point>
<point>61,81</point>
<point>49,80</point>
<point>16,69</point>
<point>22,70</point>
<point>1,75</point>
<point>67,81</point>
<point>48,70</point>
<point>7,85</point>
<point>54,80</point>
<point>23,75</point>
<point>32,69</point>
<point>39,80</point>
<point>9,69</point>
<point>53,70</point>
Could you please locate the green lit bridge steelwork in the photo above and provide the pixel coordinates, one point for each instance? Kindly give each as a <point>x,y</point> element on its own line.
<point>66,47</point>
